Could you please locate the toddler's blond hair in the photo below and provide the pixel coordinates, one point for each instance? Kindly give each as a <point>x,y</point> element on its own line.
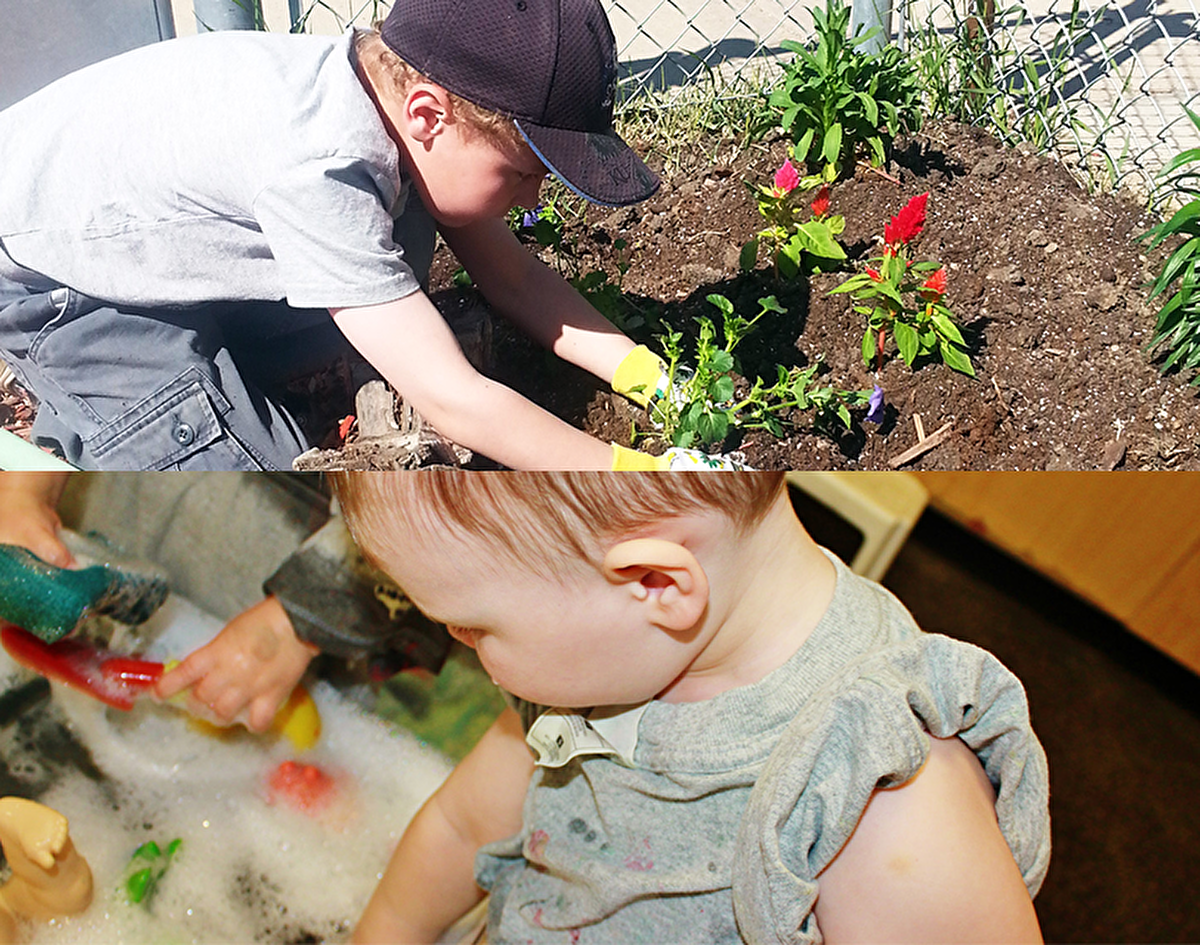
<point>546,520</point>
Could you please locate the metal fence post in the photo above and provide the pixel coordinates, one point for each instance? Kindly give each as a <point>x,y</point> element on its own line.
<point>212,15</point>
<point>866,14</point>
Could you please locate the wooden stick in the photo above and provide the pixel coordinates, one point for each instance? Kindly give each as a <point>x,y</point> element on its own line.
<point>920,427</point>
<point>922,447</point>
<point>999,396</point>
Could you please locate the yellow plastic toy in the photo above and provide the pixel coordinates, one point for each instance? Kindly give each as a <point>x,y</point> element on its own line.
<point>298,720</point>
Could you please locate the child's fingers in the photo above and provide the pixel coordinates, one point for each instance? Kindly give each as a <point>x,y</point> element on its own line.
<point>262,713</point>
<point>228,705</point>
<point>50,549</point>
<point>193,668</point>
<point>41,539</point>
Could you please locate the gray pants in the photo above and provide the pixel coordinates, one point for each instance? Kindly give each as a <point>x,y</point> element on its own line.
<point>123,388</point>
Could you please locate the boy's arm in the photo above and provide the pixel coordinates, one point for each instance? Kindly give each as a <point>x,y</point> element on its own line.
<point>410,344</point>
<point>928,863</point>
<point>536,299</point>
<point>30,519</point>
<point>430,882</point>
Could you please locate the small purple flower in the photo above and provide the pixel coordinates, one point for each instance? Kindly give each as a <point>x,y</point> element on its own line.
<point>529,221</point>
<point>875,413</point>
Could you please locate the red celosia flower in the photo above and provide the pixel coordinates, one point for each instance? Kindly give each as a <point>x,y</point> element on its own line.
<point>908,222</point>
<point>786,177</point>
<point>874,274</point>
<point>820,204</point>
<point>935,286</point>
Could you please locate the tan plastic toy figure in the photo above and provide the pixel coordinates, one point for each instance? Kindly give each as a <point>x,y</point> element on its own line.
<point>49,877</point>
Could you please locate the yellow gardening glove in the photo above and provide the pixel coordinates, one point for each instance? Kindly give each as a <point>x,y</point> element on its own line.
<point>627,460</point>
<point>673,460</point>
<point>641,376</point>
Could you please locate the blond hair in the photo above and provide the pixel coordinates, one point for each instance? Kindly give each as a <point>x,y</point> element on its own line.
<point>544,518</point>
<point>383,65</point>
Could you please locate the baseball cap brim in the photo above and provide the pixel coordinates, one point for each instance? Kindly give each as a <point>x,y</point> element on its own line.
<point>599,167</point>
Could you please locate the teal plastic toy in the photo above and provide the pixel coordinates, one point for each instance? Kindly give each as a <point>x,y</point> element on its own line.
<point>51,602</point>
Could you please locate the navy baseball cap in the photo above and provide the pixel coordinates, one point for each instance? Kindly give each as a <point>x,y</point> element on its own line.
<point>549,64</point>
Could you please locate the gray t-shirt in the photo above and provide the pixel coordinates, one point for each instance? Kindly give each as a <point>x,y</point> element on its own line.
<point>731,807</point>
<point>224,166</point>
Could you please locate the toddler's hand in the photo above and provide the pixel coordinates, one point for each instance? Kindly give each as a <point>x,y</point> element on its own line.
<point>30,519</point>
<point>248,670</point>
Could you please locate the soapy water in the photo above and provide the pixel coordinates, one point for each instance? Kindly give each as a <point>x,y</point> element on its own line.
<point>251,866</point>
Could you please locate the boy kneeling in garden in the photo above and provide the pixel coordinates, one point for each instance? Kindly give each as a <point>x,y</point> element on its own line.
<point>734,738</point>
<point>178,224</point>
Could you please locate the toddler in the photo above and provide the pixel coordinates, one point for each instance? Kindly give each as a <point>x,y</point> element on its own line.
<point>716,732</point>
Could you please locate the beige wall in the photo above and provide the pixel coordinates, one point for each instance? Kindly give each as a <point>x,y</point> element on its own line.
<point>1127,542</point>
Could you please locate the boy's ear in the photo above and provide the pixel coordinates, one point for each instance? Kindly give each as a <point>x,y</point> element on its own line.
<point>662,574</point>
<point>427,111</point>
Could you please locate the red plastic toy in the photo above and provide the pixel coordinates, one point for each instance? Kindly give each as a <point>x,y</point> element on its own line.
<point>114,680</point>
<point>303,787</point>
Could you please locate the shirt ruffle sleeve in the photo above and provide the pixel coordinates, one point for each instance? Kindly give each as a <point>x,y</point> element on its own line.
<point>868,728</point>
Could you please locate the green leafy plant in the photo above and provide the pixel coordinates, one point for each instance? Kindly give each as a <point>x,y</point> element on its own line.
<point>1177,329</point>
<point>837,101</point>
<point>789,239</point>
<point>703,408</point>
<point>906,299</point>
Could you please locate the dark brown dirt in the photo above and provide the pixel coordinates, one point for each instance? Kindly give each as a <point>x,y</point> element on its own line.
<point>1046,280</point>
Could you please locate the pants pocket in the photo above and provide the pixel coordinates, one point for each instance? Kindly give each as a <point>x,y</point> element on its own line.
<point>178,426</point>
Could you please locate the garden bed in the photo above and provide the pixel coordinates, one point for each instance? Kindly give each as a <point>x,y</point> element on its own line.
<point>1046,280</point>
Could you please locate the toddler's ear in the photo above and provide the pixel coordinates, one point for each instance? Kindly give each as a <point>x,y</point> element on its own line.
<point>664,576</point>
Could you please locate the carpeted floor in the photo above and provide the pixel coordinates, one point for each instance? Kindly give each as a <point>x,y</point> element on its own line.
<point>1121,727</point>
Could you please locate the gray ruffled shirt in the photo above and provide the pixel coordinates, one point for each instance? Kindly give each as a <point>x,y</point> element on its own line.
<point>731,807</point>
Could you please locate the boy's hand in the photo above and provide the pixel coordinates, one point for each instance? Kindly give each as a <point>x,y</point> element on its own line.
<point>30,519</point>
<point>642,377</point>
<point>248,670</point>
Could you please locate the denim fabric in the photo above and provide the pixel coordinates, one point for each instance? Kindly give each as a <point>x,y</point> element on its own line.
<point>122,388</point>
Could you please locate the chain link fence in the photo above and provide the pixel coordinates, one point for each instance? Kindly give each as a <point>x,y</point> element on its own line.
<point>1102,84</point>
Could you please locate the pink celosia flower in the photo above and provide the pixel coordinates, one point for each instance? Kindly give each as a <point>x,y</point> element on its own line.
<point>820,204</point>
<point>786,177</point>
<point>908,222</point>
